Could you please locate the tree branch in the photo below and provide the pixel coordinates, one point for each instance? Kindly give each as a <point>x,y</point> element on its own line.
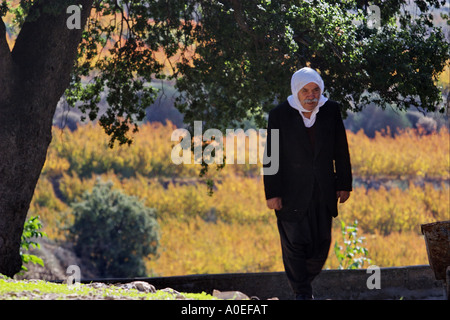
<point>240,20</point>
<point>45,45</point>
<point>299,39</point>
<point>238,16</point>
<point>44,53</point>
<point>5,62</point>
<point>4,47</point>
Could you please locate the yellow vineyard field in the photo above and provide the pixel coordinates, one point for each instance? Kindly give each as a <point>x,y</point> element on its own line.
<point>233,231</point>
<point>409,154</point>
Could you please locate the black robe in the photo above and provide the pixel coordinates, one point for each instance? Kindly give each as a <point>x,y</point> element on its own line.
<point>302,165</point>
<point>314,163</point>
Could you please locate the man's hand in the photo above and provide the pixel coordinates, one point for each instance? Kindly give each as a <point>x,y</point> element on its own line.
<point>274,203</point>
<point>342,196</point>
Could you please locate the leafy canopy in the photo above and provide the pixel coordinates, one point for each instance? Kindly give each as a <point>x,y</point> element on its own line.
<point>232,60</point>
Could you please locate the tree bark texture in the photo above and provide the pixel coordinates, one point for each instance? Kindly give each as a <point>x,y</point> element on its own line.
<point>33,77</point>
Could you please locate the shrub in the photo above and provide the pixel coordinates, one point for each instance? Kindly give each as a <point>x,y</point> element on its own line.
<point>114,232</point>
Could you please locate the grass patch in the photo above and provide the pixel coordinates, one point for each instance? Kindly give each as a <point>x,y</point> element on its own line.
<point>43,290</point>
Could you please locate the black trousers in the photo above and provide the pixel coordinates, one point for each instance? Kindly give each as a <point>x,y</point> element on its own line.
<point>305,243</point>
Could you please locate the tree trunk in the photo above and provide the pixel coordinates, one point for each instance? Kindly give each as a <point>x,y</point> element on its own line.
<point>33,77</point>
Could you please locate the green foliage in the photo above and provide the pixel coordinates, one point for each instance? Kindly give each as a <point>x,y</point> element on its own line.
<point>232,60</point>
<point>3,8</point>
<point>121,47</point>
<point>21,10</point>
<point>31,232</point>
<point>243,64</point>
<point>114,232</point>
<point>354,255</point>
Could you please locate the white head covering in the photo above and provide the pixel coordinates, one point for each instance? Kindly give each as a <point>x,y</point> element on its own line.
<point>299,79</point>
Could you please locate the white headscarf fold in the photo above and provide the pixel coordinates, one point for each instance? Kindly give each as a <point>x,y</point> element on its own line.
<point>299,79</point>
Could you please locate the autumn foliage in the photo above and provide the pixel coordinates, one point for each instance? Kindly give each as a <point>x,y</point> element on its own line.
<point>400,183</point>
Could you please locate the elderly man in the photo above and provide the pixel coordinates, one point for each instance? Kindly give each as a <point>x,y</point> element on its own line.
<point>314,173</point>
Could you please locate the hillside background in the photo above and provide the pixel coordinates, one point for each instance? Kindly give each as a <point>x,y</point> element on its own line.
<point>401,174</point>
<point>401,169</point>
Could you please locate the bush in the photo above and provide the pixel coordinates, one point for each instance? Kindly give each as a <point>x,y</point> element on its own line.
<point>114,232</point>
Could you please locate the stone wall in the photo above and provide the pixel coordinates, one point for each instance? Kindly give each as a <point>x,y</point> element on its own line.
<point>408,283</point>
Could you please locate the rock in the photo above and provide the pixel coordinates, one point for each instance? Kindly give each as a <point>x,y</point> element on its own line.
<point>56,260</point>
<point>230,295</point>
<point>170,290</point>
<point>177,295</point>
<point>141,286</point>
<point>97,285</point>
<point>144,286</point>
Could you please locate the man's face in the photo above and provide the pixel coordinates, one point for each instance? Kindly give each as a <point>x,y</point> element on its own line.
<point>309,96</point>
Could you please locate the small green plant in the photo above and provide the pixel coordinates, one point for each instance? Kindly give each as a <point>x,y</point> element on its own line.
<point>354,255</point>
<point>31,231</point>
